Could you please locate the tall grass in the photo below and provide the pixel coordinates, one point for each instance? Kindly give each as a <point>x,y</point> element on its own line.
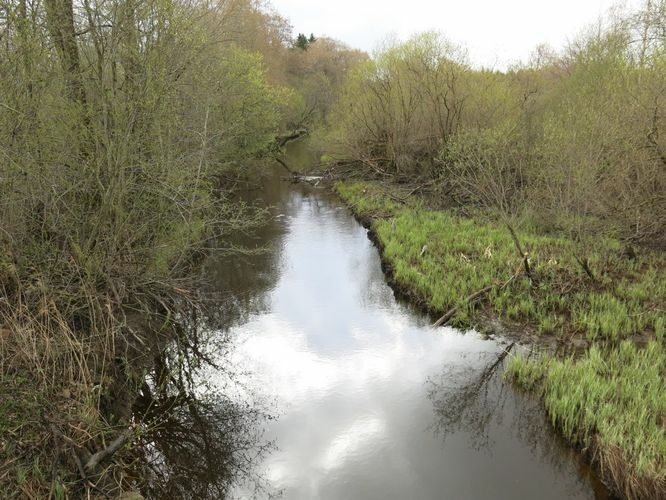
<point>612,402</point>
<point>442,258</point>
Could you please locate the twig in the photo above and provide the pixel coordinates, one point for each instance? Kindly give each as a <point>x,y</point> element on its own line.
<point>523,255</point>
<point>115,445</point>
<point>585,264</point>
<point>76,448</point>
<point>451,312</point>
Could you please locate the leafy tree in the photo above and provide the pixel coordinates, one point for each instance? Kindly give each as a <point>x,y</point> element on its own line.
<point>570,140</point>
<point>398,110</point>
<point>121,129</point>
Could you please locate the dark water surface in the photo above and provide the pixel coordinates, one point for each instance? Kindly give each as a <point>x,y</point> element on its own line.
<point>373,403</point>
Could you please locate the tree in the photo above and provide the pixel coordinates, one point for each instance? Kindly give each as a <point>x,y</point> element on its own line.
<point>121,129</point>
<point>398,110</point>
<point>317,76</point>
<point>302,42</point>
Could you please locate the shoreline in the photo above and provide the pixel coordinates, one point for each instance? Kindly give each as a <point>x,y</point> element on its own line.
<point>621,480</point>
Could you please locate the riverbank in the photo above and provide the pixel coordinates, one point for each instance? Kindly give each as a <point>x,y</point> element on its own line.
<point>603,297</point>
<point>67,425</point>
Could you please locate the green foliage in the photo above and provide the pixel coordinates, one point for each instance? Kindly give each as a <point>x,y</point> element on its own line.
<point>316,76</point>
<point>398,110</point>
<point>242,103</point>
<point>603,315</point>
<point>526,374</point>
<point>302,42</point>
<point>569,141</point>
<point>121,135</point>
<point>112,187</point>
<point>367,199</point>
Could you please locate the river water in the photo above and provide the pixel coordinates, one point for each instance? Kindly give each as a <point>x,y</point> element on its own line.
<point>372,402</point>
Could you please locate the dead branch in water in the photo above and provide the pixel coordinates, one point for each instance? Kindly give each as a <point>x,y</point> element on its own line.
<point>475,296</point>
<point>81,454</point>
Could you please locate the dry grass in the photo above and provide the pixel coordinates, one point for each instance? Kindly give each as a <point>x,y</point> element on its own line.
<point>67,383</point>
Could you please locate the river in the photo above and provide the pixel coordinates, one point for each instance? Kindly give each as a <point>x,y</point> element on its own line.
<point>371,402</point>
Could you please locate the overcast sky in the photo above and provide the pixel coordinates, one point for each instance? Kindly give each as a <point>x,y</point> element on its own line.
<point>496,32</point>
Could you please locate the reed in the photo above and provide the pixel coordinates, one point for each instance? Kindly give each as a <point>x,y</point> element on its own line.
<point>442,258</point>
<point>611,402</point>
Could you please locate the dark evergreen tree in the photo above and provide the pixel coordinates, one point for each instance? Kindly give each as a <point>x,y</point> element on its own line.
<point>302,41</point>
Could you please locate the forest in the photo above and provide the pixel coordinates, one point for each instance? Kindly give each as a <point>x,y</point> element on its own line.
<point>535,194</point>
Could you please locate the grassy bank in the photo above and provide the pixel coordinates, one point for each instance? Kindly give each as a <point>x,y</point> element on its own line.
<point>611,402</point>
<point>440,259</point>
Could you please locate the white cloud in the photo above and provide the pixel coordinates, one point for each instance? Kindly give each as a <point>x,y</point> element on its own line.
<point>351,440</point>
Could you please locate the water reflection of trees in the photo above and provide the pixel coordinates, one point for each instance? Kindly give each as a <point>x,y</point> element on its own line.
<point>200,447</point>
<point>238,282</point>
<point>469,398</point>
<point>201,427</point>
<point>474,399</point>
<point>238,285</point>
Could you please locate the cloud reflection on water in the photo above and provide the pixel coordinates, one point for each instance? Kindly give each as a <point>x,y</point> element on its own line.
<point>348,366</point>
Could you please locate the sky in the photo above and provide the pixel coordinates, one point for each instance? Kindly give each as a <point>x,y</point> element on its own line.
<point>495,32</point>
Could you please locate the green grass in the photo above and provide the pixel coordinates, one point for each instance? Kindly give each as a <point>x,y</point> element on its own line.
<point>613,402</point>
<point>368,200</point>
<point>463,255</point>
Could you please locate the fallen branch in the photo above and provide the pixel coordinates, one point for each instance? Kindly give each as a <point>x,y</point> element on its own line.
<point>92,461</point>
<point>107,452</point>
<point>403,199</point>
<point>451,312</point>
<point>282,140</point>
<point>585,264</point>
<point>476,295</point>
<point>284,164</point>
<point>396,198</point>
<point>76,450</point>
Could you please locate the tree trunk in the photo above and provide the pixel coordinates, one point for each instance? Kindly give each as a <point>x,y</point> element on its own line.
<point>60,21</point>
